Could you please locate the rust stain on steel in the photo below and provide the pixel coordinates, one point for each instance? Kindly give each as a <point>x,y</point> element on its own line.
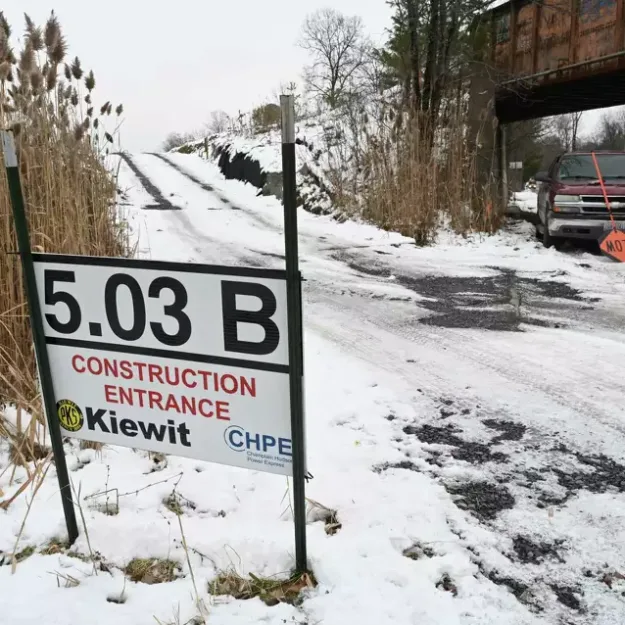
<point>532,37</point>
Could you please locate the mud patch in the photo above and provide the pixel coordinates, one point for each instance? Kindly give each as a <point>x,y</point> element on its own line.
<point>474,453</point>
<point>510,431</point>
<point>530,552</point>
<point>403,464</point>
<point>568,596</point>
<point>418,552</point>
<point>477,453</point>
<point>369,270</point>
<point>519,589</point>
<point>434,435</point>
<point>498,302</point>
<point>446,583</point>
<point>483,499</point>
<point>603,473</point>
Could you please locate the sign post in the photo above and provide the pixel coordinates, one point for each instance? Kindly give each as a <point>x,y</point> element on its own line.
<point>296,356</point>
<point>36,324</point>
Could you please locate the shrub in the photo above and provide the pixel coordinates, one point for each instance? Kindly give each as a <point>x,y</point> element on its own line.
<point>265,117</point>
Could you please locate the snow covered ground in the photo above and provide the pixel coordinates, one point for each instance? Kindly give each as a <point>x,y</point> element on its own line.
<point>525,200</point>
<point>465,422</point>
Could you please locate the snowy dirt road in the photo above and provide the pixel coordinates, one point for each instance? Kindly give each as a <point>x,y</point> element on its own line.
<point>465,419</point>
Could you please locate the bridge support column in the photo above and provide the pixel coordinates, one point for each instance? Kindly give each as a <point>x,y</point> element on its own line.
<point>487,137</point>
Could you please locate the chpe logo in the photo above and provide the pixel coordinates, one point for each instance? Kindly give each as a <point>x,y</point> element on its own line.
<point>240,440</point>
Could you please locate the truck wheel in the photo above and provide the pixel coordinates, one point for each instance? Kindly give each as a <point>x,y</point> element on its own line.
<point>549,240</point>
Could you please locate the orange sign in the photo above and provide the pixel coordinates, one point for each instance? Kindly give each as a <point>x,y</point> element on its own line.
<point>613,245</point>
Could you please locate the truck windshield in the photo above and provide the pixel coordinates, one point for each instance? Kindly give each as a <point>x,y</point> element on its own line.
<point>581,166</point>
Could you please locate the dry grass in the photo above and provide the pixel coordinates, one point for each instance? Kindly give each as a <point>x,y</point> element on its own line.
<point>54,547</point>
<point>271,591</point>
<point>152,570</point>
<point>414,183</point>
<point>48,101</point>
<point>66,580</point>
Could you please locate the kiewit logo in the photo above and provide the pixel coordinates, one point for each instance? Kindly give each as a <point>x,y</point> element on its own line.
<point>70,415</point>
<point>239,440</point>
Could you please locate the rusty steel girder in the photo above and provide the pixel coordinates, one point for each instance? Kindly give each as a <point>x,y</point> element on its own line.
<point>541,47</point>
<point>535,37</point>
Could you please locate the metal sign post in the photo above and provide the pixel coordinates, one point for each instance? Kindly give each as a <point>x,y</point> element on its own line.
<point>36,324</point>
<point>294,306</point>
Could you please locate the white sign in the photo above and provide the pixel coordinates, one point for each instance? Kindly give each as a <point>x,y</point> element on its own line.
<point>516,164</point>
<point>189,360</point>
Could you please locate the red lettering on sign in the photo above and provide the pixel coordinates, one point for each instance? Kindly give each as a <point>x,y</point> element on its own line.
<point>205,407</point>
<point>185,378</point>
<point>155,373</point>
<point>223,410</point>
<point>110,395</point>
<point>164,375</point>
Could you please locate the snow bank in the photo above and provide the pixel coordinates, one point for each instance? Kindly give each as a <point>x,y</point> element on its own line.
<point>526,201</point>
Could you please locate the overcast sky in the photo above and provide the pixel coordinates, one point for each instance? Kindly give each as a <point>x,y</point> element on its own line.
<point>172,63</point>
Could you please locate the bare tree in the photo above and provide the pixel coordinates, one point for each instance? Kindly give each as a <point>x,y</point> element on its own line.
<point>566,128</point>
<point>337,46</point>
<point>176,139</point>
<point>611,131</point>
<point>219,122</point>
<point>291,88</point>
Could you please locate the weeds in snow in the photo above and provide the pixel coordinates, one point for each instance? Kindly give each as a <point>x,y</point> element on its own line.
<point>68,580</point>
<point>271,590</point>
<point>152,570</point>
<point>199,603</point>
<point>196,620</point>
<point>54,547</point>
<point>176,503</point>
<point>37,480</point>
<point>76,498</point>
<point>319,512</point>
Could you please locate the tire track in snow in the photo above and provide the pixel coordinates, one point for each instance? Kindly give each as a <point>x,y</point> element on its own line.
<point>252,214</point>
<point>160,201</point>
<point>210,250</point>
<point>203,185</point>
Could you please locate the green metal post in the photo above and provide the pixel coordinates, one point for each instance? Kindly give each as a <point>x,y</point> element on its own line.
<point>36,324</point>
<point>294,304</point>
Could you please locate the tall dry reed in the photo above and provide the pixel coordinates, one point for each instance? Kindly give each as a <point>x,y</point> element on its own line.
<point>62,140</point>
<point>418,179</point>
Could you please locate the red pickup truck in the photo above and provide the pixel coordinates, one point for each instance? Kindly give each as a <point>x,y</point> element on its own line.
<point>571,204</point>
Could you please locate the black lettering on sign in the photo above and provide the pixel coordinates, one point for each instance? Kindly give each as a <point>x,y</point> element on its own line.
<point>53,296</point>
<point>610,246</point>
<point>171,310</point>
<point>233,316</point>
<point>618,245</point>
<point>112,311</point>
